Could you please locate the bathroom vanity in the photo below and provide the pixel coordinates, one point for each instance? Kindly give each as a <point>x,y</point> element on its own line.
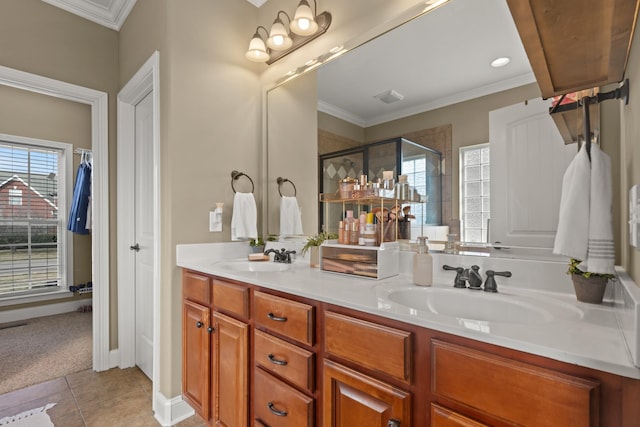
<point>295,346</point>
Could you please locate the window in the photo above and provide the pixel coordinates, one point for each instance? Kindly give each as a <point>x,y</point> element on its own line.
<point>33,238</point>
<point>15,197</point>
<point>474,193</point>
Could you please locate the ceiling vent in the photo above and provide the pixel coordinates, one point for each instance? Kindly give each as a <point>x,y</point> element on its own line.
<point>389,96</point>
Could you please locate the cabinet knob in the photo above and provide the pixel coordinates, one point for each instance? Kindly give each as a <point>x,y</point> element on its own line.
<point>211,329</point>
<point>276,318</point>
<point>275,361</point>
<point>199,324</point>
<point>274,411</point>
<point>393,423</point>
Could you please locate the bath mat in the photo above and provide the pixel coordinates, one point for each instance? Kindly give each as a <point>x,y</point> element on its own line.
<point>32,418</point>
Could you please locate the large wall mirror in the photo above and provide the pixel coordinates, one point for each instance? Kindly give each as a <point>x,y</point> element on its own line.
<point>439,64</point>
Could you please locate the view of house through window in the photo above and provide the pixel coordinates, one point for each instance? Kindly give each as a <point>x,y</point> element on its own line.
<point>31,222</point>
<point>474,193</point>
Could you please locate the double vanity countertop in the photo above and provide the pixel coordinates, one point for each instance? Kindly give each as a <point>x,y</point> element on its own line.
<point>527,314</point>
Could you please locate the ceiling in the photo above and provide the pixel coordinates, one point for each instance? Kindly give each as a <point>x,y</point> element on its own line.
<point>436,60</point>
<point>110,13</point>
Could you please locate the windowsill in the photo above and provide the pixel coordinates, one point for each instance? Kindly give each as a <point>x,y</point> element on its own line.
<point>30,298</point>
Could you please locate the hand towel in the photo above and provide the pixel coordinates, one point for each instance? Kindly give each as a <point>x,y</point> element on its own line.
<point>572,235</point>
<point>244,218</point>
<point>290,217</point>
<point>600,251</point>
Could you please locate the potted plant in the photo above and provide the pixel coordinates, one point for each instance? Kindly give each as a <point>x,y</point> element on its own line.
<point>257,245</point>
<point>312,246</point>
<point>589,287</point>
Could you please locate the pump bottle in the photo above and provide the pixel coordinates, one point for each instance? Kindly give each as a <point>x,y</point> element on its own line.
<point>422,264</point>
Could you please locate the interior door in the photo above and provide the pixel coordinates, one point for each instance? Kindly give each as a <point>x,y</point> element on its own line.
<point>144,234</point>
<point>528,161</point>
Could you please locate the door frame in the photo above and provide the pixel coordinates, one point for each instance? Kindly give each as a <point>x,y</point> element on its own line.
<point>103,358</point>
<point>145,81</point>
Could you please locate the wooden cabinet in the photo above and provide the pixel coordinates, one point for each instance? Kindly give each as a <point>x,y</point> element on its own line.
<point>230,354</point>
<point>516,392</point>
<point>575,44</point>
<point>196,344</point>
<point>443,417</point>
<point>254,358</point>
<point>354,399</point>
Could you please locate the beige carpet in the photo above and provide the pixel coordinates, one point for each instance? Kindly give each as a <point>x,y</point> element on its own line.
<point>43,349</point>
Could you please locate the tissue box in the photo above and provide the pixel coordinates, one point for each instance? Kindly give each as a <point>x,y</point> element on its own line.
<point>373,262</point>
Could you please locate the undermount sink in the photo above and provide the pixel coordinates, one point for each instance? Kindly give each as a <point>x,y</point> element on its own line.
<point>254,266</point>
<point>480,306</point>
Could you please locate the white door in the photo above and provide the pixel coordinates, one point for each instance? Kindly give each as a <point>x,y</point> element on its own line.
<point>144,234</point>
<point>528,161</point>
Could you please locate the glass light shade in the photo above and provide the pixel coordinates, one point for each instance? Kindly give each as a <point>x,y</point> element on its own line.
<point>304,22</point>
<point>279,36</point>
<point>257,50</point>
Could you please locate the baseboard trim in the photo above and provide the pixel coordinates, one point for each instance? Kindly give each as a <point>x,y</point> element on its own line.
<point>171,411</point>
<point>42,310</point>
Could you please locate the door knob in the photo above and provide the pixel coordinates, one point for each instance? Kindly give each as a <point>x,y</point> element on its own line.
<point>135,247</point>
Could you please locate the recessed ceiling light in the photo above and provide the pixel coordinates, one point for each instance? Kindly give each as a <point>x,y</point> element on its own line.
<point>500,62</point>
<point>335,49</point>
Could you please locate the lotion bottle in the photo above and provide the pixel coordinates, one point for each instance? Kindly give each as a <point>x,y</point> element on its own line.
<point>422,264</point>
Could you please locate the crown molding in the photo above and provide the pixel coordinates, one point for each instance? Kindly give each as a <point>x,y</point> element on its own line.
<point>109,13</point>
<point>511,83</point>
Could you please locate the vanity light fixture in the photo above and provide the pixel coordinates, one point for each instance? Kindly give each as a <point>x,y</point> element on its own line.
<point>283,39</point>
<point>500,62</point>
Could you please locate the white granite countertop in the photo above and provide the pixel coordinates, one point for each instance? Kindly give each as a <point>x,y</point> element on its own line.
<point>578,333</point>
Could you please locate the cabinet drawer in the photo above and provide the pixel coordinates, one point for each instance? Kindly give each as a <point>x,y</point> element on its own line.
<point>443,417</point>
<point>287,360</point>
<point>277,404</point>
<point>513,391</point>
<point>196,287</point>
<point>231,298</point>
<point>384,349</point>
<point>289,318</point>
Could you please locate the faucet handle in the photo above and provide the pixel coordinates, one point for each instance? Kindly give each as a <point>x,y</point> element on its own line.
<point>457,282</point>
<point>490,284</point>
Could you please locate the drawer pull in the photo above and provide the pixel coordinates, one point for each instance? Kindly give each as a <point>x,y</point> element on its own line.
<point>211,329</point>
<point>393,423</point>
<point>274,411</point>
<point>199,324</point>
<point>275,361</point>
<point>276,318</point>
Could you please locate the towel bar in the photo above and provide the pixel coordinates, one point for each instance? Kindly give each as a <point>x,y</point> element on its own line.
<point>235,175</point>
<point>281,181</point>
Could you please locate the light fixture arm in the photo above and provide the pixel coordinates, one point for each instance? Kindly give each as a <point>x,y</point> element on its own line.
<point>285,14</point>
<point>258,32</point>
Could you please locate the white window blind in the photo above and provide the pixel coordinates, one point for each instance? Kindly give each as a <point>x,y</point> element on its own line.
<point>474,192</point>
<point>31,224</point>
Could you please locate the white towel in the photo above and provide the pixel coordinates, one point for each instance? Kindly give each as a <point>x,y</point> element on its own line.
<point>245,217</point>
<point>572,235</point>
<point>290,217</point>
<point>601,251</point>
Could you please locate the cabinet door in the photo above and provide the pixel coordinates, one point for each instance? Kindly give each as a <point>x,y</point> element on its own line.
<point>230,365</point>
<point>443,417</point>
<point>353,399</point>
<point>196,343</point>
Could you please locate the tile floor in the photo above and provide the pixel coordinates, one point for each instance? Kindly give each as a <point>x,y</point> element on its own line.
<point>112,398</point>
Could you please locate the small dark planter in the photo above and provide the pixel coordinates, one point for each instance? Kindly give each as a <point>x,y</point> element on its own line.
<point>257,249</point>
<point>589,289</point>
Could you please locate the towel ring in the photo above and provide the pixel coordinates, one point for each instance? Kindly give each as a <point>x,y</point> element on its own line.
<point>235,175</point>
<point>281,181</point>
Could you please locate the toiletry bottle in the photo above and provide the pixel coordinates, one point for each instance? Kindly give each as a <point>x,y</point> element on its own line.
<point>422,264</point>
<point>348,226</point>
<point>354,235</point>
<point>361,223</point>
<point>341,232</point>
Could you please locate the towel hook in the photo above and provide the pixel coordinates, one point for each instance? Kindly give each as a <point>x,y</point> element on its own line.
<point>281,181</point>
<point>235,175</point>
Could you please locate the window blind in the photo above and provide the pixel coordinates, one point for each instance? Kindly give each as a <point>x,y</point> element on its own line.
<point>30,255</point>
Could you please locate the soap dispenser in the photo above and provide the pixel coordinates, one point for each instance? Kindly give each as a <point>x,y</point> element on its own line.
<point>422,264</point>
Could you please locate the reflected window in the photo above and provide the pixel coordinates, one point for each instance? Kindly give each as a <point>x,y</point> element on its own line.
<point>474,193</point>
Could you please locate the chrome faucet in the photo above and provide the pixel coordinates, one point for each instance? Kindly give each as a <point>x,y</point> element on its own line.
<point>283,255</point>
<point>472,277</point>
